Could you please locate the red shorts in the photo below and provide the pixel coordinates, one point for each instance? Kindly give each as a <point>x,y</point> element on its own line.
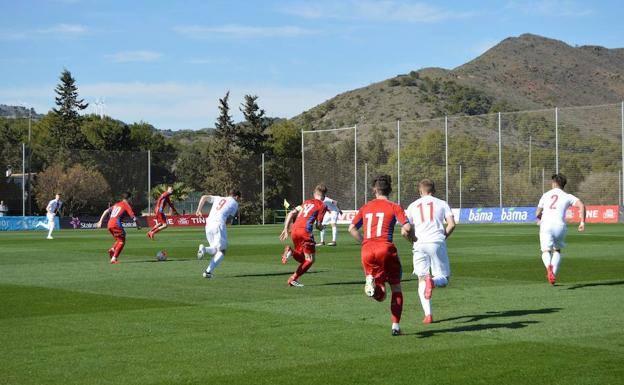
<point>303,241</point>
<point>381,260</point>
<point>160,218</point>
<point>118,233</point>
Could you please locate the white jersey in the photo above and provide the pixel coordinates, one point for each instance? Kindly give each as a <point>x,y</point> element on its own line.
<point>331,204</point>
<point>427,215</point>
<point>54,206</point>
<point>222,209</point>
<point>555,203</point>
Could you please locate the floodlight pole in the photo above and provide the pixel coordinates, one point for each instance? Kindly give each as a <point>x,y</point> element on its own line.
<point>500,164</point>
<point>460,186</point>
<point>149,182</point>
<point>23,179</point>
<point>302,169</point>
<point>446,156</point>
<point>263,189</point>
<point>365,182</point>
<point>622,143</point>
<point>355,168</point>
<point>398,162</point>
<point>557,140</point>
<point>530,154</point>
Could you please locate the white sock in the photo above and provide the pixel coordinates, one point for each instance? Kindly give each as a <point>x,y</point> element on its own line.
<point>546,258</point>
<point>51,228</point>
<point>395,326</point>
<point>210,250</point>
<point>556,261</point>
<point>440,281</point>
<point>426,303</point>
<point>216,260</point>
<point>322,235</point>
<point>334,232</point>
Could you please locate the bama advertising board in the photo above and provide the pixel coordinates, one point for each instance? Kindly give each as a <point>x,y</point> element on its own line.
<point>595,214</point>
<point>25,223</point>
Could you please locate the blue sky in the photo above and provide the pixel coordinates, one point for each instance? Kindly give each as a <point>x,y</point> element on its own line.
<point>167,62</point>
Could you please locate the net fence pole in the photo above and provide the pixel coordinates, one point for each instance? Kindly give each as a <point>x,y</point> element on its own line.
<point>149,181</point>
<point>23,179</point>
<point>366,182</point>
<point>543,182</point>
<point>302,169</point>
<point>557,140</point>
<point>622,144</point>
<point>355,167</point>
<point>460,186</point>
<point>500,163</point>
<point>530,155</point>
<point>446,155</point>
<point>263,189</point>
<point>398,162</point>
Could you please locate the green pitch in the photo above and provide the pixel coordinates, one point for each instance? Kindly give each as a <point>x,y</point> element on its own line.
<point>68,317</point>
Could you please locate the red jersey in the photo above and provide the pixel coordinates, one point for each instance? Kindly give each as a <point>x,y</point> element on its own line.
<point>378,218</point>
<point>117,212</point>
<point>163,199</point>
<point>309,211</point>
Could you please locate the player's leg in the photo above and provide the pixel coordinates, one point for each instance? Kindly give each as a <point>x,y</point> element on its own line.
<point>218,243</point>
<point>440,266</point>
<point>422,267</point>
<point>558,244</point>
<point>396,308</point>
<point>50,225</point>
<point>304,246</point>
<point>118,246</point>
<point>547,242</point>
<point>393,272</point>
<point>334,232</point>
<point>212,238</point>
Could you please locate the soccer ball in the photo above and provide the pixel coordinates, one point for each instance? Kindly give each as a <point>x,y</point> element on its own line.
<point>161,256</point>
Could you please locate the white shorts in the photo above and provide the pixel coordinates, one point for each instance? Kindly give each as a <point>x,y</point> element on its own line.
<point>331,217</point>
<point>216,234</point>
<point>431,257</point>
<point>50,217</point>
<point>552,236</point>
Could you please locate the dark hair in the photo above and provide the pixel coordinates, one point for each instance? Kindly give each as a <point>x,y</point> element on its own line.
<point>427,185</point>
<point>383,184</point>
<point>126,195</point>
<point>235,193</point>
<point>321,188</point>
<point>560,179</point>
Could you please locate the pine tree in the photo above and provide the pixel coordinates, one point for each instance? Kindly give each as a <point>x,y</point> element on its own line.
<point>66,131</point>
<point>252,135</point>
<point>224,128</point>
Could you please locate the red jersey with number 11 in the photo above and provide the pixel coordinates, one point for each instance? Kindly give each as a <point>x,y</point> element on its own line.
<point>378,218</point>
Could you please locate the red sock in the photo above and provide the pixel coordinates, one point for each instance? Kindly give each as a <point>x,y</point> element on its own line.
<point>155,230</point>
<point>396,306</point>
<point>303,267</point>
<point>299,256</point>
<point>117,248</point>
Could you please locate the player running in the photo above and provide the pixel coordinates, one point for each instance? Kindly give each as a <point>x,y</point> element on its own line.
<point>551,213</point>
<point>330,218</point>
<point>52,210</point>
<point>216,233</point>
<point>307,214</point>
<point>117,212</point>
<point>160,218</point>
<point>431,262</point>
<point>380,259</point>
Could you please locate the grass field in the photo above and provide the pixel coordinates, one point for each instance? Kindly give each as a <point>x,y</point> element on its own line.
<point>68,317</point>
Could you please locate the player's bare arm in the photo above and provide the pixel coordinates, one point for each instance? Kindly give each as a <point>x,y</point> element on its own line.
<point>104,214</point>
<point>450,226</point>
<point>202,202</point>
<point>538,213</point>
<point>355,233</point>
<point>289,219</point>
<point>407,232</point>
<point>581,206</point>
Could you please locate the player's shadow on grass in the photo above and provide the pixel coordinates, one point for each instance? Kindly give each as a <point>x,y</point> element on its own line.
<point>592,284</point>
<point>273,274</point>
<point>501,314</point>
<point>474,328</point>
<point>360,282</point>
<point>155,261</point>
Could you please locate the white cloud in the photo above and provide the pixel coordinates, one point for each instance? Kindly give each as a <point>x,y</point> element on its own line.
<point>241,31</point>
<point>62,30</point>
<point>371,10</point>
<point>134,56</point>
<point>176,105</point>
<point>568,8</point>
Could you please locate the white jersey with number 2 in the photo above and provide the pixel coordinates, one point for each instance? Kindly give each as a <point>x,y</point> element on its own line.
<point>222,209</point>
<point>427,215</point>
<point>555,203</point>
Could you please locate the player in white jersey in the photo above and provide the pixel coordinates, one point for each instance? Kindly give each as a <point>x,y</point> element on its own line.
<point>431,263</point>
<point>216,233</point>
<point>52,209</point>
<point>330,218</point>
<point>551,215</point>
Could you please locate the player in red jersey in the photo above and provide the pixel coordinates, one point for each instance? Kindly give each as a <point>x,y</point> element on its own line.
<point>307,214</point>
<point>380,259</point>
<point>159,212</point>
<point>117,212</point>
